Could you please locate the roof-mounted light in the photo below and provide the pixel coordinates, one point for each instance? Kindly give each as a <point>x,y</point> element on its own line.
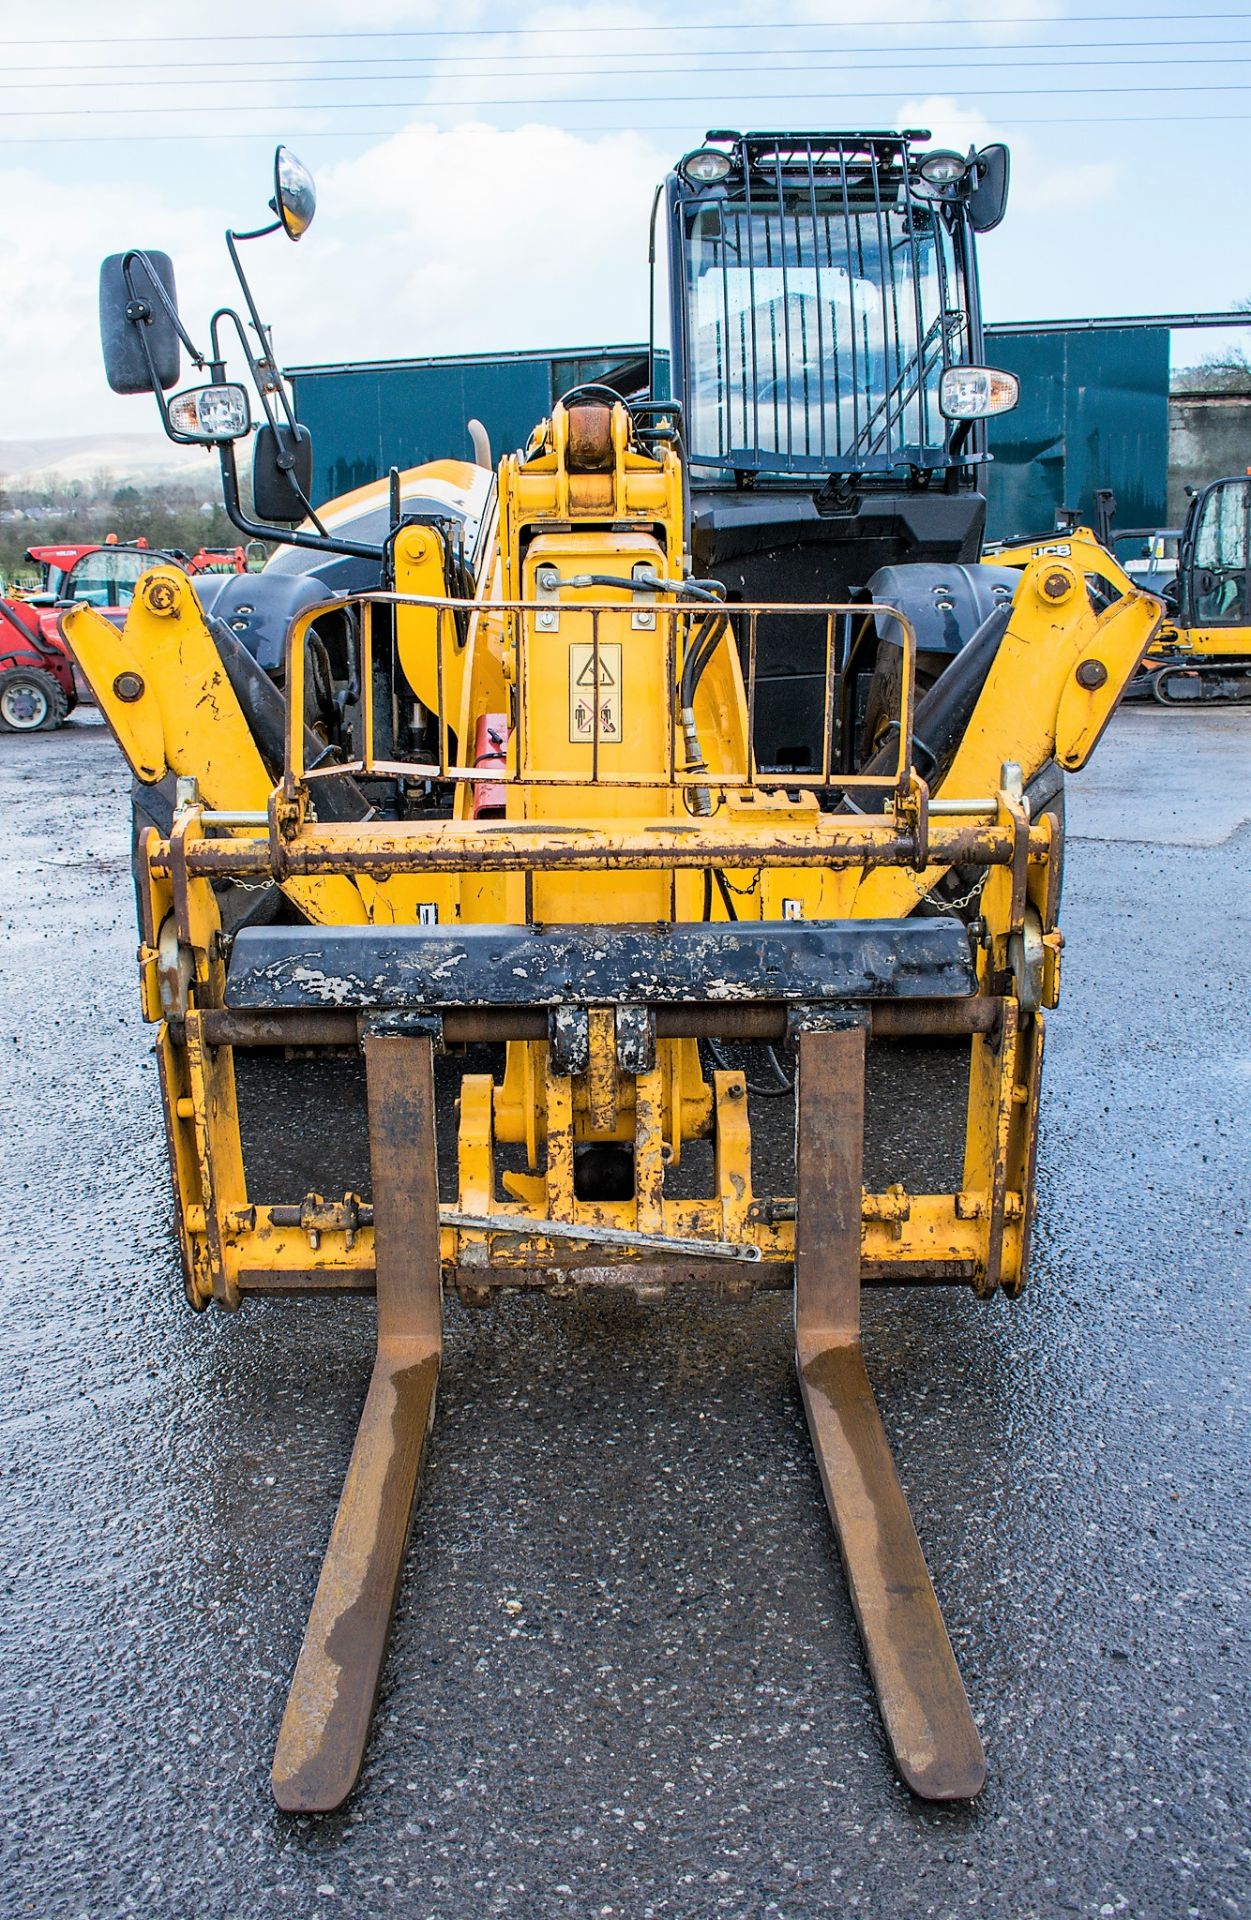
<point>706,167</point>
<point>943,169</point>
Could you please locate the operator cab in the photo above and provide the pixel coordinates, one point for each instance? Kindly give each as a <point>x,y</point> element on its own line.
<point>827,289</point>
<point>828,360</point>
<point>1214,579</point>
<point>107,577</point>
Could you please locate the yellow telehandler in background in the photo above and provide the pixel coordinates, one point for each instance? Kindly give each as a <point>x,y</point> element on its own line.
<point>545,788</point>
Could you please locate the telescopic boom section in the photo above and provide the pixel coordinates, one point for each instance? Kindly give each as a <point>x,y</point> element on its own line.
<point>603,880</point>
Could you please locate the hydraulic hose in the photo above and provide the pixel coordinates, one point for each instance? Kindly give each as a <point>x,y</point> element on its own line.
<point>698,655</point>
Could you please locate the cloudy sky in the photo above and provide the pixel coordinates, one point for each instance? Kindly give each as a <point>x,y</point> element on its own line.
<point>487,184</point>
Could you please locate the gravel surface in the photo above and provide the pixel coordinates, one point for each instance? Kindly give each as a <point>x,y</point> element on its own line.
<point>625,1680</point>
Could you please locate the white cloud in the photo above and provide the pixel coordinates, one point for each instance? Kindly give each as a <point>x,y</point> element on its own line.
<point>471,238</point>
<point>1039,185</point>
<point>432,241</point>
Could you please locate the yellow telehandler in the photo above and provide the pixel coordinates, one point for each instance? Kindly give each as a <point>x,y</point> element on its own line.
<point>547,783</point>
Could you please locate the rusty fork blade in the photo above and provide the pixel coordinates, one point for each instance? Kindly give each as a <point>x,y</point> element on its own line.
<point>918,1685</point>
<point>919,1690</point>
<point>321,1742</point>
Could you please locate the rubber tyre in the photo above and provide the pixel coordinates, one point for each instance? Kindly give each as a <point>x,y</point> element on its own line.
<point>31,701</point>
<point>1046,794</point>
<point>886,694</point>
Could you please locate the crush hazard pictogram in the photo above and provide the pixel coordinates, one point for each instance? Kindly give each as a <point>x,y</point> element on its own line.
<point>595,685</point>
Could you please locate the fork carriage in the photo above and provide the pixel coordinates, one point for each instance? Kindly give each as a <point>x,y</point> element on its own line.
<point>602,1026</point>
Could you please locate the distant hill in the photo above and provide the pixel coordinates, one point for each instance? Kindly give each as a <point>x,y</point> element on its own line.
<point>129,459</point>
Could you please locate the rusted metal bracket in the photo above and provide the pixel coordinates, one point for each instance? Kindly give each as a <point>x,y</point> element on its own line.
<point>321,1742</point>
<point>1013,812</point>
<point>919,1690</point>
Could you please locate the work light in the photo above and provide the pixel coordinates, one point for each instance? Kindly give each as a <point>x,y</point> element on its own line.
<point>973,393</point>
<point>706,166</point>
<point>943,169</point>
<point>211,413</point>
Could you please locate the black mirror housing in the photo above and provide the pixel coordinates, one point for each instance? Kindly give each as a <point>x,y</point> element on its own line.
<point>988,201</point>
<point>280,456</point>
<point>125,334</point>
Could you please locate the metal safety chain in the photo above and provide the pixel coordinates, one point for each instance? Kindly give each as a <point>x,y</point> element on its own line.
<point>952,906</point>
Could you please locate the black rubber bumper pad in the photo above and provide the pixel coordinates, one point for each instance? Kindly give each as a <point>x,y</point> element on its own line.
<point>804,962</point>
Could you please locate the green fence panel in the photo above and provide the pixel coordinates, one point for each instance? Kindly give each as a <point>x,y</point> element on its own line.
<point>366,419</point>
<point>1093,413</point>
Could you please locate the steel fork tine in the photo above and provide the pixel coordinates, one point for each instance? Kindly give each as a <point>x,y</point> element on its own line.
<point>919,1690</point>
<point>321,1743</point>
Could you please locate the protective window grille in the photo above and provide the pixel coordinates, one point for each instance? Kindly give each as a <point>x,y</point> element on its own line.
<point>823,303</point>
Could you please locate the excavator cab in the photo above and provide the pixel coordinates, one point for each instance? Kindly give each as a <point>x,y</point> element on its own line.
<point>1214,572</point>
<point>1203,652</point>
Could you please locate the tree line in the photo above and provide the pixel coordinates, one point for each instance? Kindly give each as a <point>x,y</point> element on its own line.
<point>58,512</point>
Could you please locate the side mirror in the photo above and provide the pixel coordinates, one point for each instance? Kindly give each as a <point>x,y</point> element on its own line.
<point>295,195</point>
<point>138,327</point>
<point>988,201</point>
<point>281,457</point>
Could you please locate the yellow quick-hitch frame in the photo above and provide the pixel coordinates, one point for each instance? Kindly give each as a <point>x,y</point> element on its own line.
<point>617,881</point>
<point>1203,663</point>
<point>825,865</point>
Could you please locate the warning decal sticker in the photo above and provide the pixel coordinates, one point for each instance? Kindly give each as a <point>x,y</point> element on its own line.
<point>590,689</point>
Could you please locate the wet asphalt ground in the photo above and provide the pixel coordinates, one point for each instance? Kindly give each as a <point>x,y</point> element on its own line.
<point>625,1680</point>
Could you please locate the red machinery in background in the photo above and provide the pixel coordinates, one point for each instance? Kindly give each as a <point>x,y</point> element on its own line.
<point>37,683</point>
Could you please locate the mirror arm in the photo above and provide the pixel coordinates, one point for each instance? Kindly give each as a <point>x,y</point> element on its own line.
<point>281,536</point>
<point>219,357</point>
<point>274,384</point>
<point>262,333</point>
<point>162,405</point>
<point>309,509</point>
<point>138,319</point>
<point>263,391</point>
<point>257,233</point>
<point>138,299</point>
